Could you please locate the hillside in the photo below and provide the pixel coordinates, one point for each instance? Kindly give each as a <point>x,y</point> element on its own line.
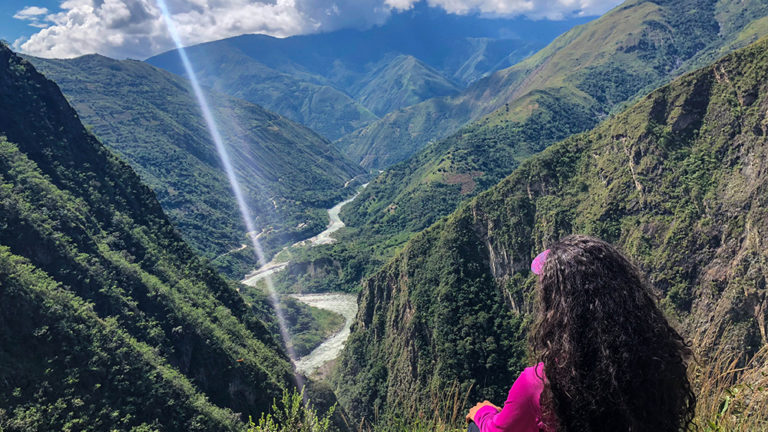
<point>414,194</point>
<point>317,79</point>
<point>679,181</point>
<point>299,96</point>
<point>401,82</point>
<point>109,320</point>
<point>637,46</point>
<point>151,119</point>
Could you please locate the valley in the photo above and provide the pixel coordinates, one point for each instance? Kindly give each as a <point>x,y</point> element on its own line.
<point>290,174</point>
<point>343,304</point>
<point>402,165</point>
<point>566,88</point>
<point>324,238</point>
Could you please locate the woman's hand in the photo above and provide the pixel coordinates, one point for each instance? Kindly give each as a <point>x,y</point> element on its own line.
<point>474,409</point>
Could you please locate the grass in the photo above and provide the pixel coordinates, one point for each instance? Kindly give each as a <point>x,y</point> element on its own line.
<point>732,391</point>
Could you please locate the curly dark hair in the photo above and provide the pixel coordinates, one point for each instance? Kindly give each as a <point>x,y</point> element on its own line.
<point>612,361</point>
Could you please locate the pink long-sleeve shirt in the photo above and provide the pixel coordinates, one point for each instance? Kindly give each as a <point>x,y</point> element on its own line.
<point>521,411</point>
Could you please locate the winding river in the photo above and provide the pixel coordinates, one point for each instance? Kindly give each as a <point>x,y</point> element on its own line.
<point>341,303</point>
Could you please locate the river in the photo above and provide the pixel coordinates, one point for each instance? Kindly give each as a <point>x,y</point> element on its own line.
<point>335,225</point>
<point>341,303</point>
<point>324,237</point>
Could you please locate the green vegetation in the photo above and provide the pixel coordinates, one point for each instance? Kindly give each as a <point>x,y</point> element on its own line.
<point>400,82</point>
<point>110,321</point>
<point>678,181</point>
<point>650,41</point>
<point>151,119</point>
<point>336,267</point>
<point>309,326</point>
<point>564,89</point>
<point>126,385</point>
<point>293,415</point>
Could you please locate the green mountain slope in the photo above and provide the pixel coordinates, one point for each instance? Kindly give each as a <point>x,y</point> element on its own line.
<point>401,82</point>
<point>679,181</point>
<point>574,82</point>
<point>631,49</point>
<point>109,320</point>
<point>151,118</point>
<point>315,79</point>
<point>303,97</point>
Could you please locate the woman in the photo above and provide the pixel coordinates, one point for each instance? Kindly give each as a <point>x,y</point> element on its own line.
<point>608,358</point>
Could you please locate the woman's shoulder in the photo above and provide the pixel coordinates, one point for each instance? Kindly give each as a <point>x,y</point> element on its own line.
<point>530,381</point>
<point>534,373</point>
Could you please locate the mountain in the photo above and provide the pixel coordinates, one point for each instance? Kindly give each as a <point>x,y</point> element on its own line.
<point>637,46</point>
<point>300,97</point>
<point>566,99</point>
<point>316,79</point>
<point>679,181</point>
<point>150,117</point>
<point>109,320</point>
<point>401,82</point>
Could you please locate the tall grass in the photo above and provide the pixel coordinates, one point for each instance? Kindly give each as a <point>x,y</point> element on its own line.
<point>444,412</point>
<point>291,414</point>
<point>732,391</point>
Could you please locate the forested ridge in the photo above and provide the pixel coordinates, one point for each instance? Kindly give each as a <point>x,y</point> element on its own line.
<point>109,320</point>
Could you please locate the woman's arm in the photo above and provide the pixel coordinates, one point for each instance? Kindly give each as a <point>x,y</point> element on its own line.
<point>521,410</point>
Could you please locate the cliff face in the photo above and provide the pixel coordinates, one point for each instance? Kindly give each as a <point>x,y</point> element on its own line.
<point>107,318</point>
<point>679,181</point>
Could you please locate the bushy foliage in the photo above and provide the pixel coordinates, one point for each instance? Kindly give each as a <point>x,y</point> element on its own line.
<point>293,414</point>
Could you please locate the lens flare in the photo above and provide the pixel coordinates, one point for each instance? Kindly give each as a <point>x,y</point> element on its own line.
<point>221,149</point>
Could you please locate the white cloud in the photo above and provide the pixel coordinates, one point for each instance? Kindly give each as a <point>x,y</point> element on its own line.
<point>550,9</point>
<point>30,12</point>
<point>33,14</point>
<point>135,28</point>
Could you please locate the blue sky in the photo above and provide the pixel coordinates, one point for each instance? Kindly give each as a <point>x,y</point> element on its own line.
<point>136,29</point>
<point>11,28</point>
